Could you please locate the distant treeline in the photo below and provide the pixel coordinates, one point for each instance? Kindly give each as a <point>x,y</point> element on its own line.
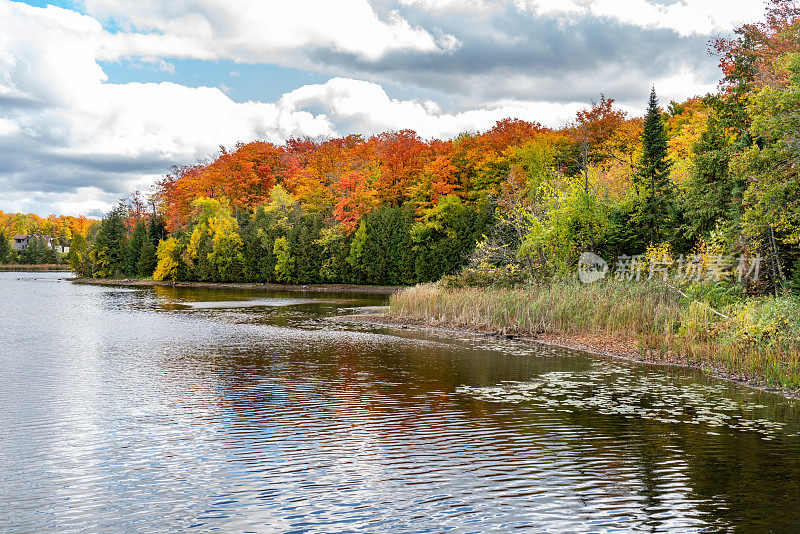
<point>59,228</point>
<point>280,242</point>
<point>37,252</point>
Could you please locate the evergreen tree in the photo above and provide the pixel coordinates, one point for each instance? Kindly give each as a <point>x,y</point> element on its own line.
<point>35,253</point>
<point>444,238</point>
<point>157,229</point>
<point>656,192</point>
<point>50,255</point>
<point>259,240</point>
<point>5,248</point>
<point>108,250</point>
<point>214,249</point>
<point>713,193</point>
<point>147,261</point>
<point>284,261</point>
<point>303,236</point>
<point>133,248</point>
<point>382,250</point>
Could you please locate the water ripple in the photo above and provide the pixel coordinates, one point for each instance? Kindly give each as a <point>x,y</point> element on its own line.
<point>165,409</point>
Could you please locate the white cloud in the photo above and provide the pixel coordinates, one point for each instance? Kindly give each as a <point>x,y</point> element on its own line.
<point>365,107</point>
<point>83,201</point>
<point>686,17</point>
<point>264,31</point>
<point>8,127</point>
<point>443,6</point>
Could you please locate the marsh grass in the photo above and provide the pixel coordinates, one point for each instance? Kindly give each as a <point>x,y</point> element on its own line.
<point>758,338</point>
<point>41,267</point>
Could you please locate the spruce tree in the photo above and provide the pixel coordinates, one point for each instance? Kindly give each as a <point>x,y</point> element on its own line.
<point>147,259</point>
<point>108,249</point>
<point>652,179</point>
<point>133,248</point>
<point>35,253</point>
<point>5,248</point>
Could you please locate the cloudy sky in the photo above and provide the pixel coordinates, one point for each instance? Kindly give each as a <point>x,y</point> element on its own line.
<point>100,97</point>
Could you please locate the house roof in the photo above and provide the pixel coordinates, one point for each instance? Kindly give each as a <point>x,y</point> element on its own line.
<point>21,236</point>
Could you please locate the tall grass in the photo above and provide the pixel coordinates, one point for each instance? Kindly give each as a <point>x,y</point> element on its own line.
<point>41,267</point>
<point>758,338</point>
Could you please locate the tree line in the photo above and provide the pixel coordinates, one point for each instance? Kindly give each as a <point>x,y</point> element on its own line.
<point>38,251</point>
<point>279,241</point>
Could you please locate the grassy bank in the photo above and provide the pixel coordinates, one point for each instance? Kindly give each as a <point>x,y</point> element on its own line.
<point>750,337</point>
<point>18,267</point>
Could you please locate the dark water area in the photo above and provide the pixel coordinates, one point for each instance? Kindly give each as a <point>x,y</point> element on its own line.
<point>177,409</point>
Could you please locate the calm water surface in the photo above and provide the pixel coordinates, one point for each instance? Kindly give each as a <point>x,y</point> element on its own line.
<point>179,409</point>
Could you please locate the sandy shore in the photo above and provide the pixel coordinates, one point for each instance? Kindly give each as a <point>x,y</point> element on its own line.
<point>314,288</point>
<point>595,345</point>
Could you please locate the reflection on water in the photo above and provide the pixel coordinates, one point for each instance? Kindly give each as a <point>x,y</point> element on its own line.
<point>169,408</point>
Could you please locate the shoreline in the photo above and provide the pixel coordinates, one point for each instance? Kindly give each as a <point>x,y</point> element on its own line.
<point>310,288</point>
<point>593,345</point>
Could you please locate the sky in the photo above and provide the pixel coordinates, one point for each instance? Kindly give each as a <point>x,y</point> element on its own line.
<point>100,97</point>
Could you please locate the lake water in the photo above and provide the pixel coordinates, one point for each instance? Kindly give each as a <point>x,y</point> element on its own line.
<point>168,409</point>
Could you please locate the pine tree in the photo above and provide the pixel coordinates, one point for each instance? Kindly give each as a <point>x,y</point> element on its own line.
<point>133,248</point>
<point>5,248</point>
<point>108,250</point>
<point>36,251</point>
<point>147,259</point>
<point>652,181</point>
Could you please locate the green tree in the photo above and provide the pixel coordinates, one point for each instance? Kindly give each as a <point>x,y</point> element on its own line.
<point>303,235</point>
<point>78,256</point>
<point>133,248</point>
<point>382,250</point>
<point>444,238</point>
<point>334,248</point>
<point>284,262</point>
<point>5,248</point>
<point>148,259</point>
<point>713,195</point>
<point>772,201</point>
<point>157,229</point>
<point>259,239</point>
<point>107,252</point>
<point>50,255</point>
<point>269,221</point>
<point>36,252</point>
<point>214,250</point>
<point>656,191</point>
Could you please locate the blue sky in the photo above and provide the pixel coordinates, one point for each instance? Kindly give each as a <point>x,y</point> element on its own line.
<point>240,81</point>
<point>100,97</point>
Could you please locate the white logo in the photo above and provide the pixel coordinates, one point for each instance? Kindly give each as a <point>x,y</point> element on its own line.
<point>591,268</point>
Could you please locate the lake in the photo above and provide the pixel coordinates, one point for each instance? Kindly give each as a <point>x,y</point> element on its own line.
<point>164,409</point>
